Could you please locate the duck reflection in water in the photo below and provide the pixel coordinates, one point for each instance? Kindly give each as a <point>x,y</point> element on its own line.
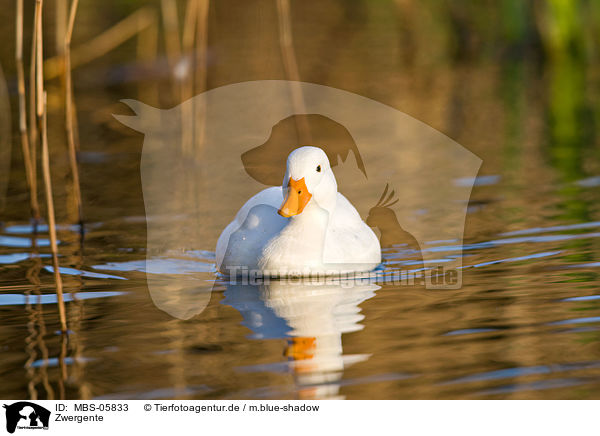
<point>311,317</point>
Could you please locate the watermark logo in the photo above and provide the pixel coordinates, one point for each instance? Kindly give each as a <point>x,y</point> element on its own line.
<point>25,415</point>
<point>203,160</point>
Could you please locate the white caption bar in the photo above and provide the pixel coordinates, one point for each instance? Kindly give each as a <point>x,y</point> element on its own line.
<point>168,417</point>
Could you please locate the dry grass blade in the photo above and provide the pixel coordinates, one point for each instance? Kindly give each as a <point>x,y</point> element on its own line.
<point>33,133</point>
<point>70,113</point>
<point>27,158</point>
<point>202,46</point>
<point>201,64</point>
<point>51,219</point>
<point>43,130</point>
<point>103,43</point>
<point>39,59</point>
<point>171,25</point>
<point>41,343</point>
<point>62,364</point>
<point>60,17</point>
<point>147,52</point>
<point>189,26</point>
<point>184,75</point>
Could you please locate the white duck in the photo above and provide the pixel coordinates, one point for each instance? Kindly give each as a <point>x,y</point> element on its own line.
<point>303,228</point>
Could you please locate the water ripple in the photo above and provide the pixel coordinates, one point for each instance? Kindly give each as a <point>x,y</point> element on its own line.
<point>467,182</point>
<point>576,321</point>
<point>22,299</point>
<point>552,229</point>
<point>515,259</point>
<point>533,386</point>
<point>501,242</point>
<point>6,259</point>
<point>54,362</point>
<point>76,272</point>
<point>160,266</point>
<point>18,242</point>
<point>523,371</point>
<point>584,298</point>
<point>469,331</point>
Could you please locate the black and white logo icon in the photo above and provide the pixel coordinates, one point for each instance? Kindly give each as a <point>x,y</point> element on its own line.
<point>26,415</point>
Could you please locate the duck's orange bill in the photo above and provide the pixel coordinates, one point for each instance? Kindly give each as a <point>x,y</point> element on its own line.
<point>296,199</point>
<point>301,348</point>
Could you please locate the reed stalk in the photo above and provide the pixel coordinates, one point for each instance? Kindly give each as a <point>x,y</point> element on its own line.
<point>202,46</point>
<point>30,342</point>
<point>60,17</point>
<point>33,131</point>
<point>33,276</point>
<point>171,26</point>
<point>185,78</point>
<point>41,343</point>
<point>41,112</point>
<point>33,199</point>
<point>73,142</point>
<point>39,59</point>
<point>51,217</point>
<point>33,134</point>
<point>187,43</point>
<point>201,69</point>
<point>69,112</point>
<point>60,30</point>
<point>62,364</point>
<point>172,42</point>
<point>147,52</point>
<point>290,64</point>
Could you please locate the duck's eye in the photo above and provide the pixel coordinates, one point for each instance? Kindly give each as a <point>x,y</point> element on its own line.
<point>318,168</point>
<point>299,192</point>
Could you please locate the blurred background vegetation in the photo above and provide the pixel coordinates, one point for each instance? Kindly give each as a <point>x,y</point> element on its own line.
<point>515,69</point>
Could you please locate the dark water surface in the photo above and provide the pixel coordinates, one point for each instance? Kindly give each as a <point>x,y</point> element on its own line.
<point>525,324</point>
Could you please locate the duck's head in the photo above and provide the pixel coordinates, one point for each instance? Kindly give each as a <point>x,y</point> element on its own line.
<point>308,180</point>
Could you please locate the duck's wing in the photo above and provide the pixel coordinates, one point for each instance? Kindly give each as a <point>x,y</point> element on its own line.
<point>259,212</point>
<point>270,197</point>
